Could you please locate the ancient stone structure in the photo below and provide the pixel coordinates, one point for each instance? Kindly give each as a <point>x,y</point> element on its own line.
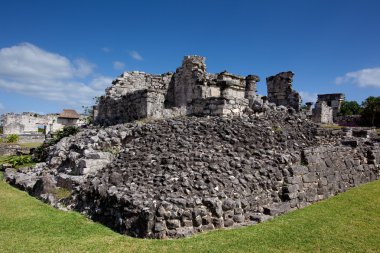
<point>176,177</point>
<point>280,90</point>
<point>349,120</point>
<point>309,108</point>
<point>188,91</point>
<point>28,123</point>
<point>322,113</point>
<point>334,101</point>
<point>171,177</point>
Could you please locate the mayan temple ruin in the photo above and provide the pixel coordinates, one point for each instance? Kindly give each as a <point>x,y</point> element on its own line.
<point>180,153</point>
<point>193,91</point>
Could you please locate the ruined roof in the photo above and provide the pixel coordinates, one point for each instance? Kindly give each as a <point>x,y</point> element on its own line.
<point>69,114</point>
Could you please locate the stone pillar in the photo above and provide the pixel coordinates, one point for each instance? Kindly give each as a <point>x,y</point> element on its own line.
<point>251,86</point>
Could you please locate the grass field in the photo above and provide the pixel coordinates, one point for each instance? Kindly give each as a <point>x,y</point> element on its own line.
<point>349,222</point>
<point>30,144</point>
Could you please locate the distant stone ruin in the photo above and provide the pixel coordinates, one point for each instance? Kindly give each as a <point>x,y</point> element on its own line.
<point>322,113</point>
<point>29,123</point>
<point>327,108</point>
<point>334,101</point>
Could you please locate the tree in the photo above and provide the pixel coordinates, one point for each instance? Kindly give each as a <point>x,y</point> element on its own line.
<point>350,108</point>
<point>89,110</point>
<point>371,111</point>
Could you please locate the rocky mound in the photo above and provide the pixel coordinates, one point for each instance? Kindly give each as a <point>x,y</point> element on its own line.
<point>175,177</point>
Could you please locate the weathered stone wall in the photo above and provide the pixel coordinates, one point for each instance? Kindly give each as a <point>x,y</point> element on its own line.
<point>349,120</point>
<point>280,90</point>
<point>334,100</point>
<point>322,113</point>
<point>28,123</point>
<point>189,81</point>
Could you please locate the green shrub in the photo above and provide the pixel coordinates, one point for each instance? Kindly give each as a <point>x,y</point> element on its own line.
<point>12,138</point>
<point>18,161</point>
<point>65,132</point>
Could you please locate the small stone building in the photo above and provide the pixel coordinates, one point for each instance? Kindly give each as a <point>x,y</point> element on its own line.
<point>333,100</point>
<point>68,117</point>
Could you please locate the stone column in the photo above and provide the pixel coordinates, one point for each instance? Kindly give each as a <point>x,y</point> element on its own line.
<point>250,86</point>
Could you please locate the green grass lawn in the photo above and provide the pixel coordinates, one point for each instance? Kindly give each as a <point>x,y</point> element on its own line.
<point>349,222</point>
<point>30,144</point>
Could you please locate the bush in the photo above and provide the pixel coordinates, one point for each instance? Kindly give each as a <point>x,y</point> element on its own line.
<point>20,160</point>
<point>17,161</point>
<point>12,138</point>
<point>65,132</point>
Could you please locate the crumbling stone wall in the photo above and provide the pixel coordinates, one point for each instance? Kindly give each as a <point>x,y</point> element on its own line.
<point>28,123</point>
<point>322,113</point>
<point>25,123</point>
<point>280,90</point>
<point>190,90</point>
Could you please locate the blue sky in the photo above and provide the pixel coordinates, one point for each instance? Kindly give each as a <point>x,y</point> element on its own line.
<point>60,54</point>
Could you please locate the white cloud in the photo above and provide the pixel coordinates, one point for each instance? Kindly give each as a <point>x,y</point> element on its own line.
<point>362,78</point>
<point>118,65</point>
<point>83,68</point>
<point>106,49</point>
<point>308,97</point>
<point>32,71</point>
<point>135,55</point>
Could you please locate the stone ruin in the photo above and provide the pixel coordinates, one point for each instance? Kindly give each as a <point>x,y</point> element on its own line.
<point>334,101</point>
<point>29,123</point>
<point>192,91</point>
<point>188,91</point>
<point>280,90</point>
<point>327,108</point>
<point>177,176</point>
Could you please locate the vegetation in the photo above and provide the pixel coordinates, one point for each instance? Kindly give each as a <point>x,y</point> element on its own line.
<point>30,145</point>
<point>41,152</point>
<point>18,161</point>
<point>12,138</point>
<point>350,108</point>
<point>276,129</point>
<point>369,110</point>
<point>89,110</point>
<point>331,126</point>
<point>61,193</point>
<point>346,223</point>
